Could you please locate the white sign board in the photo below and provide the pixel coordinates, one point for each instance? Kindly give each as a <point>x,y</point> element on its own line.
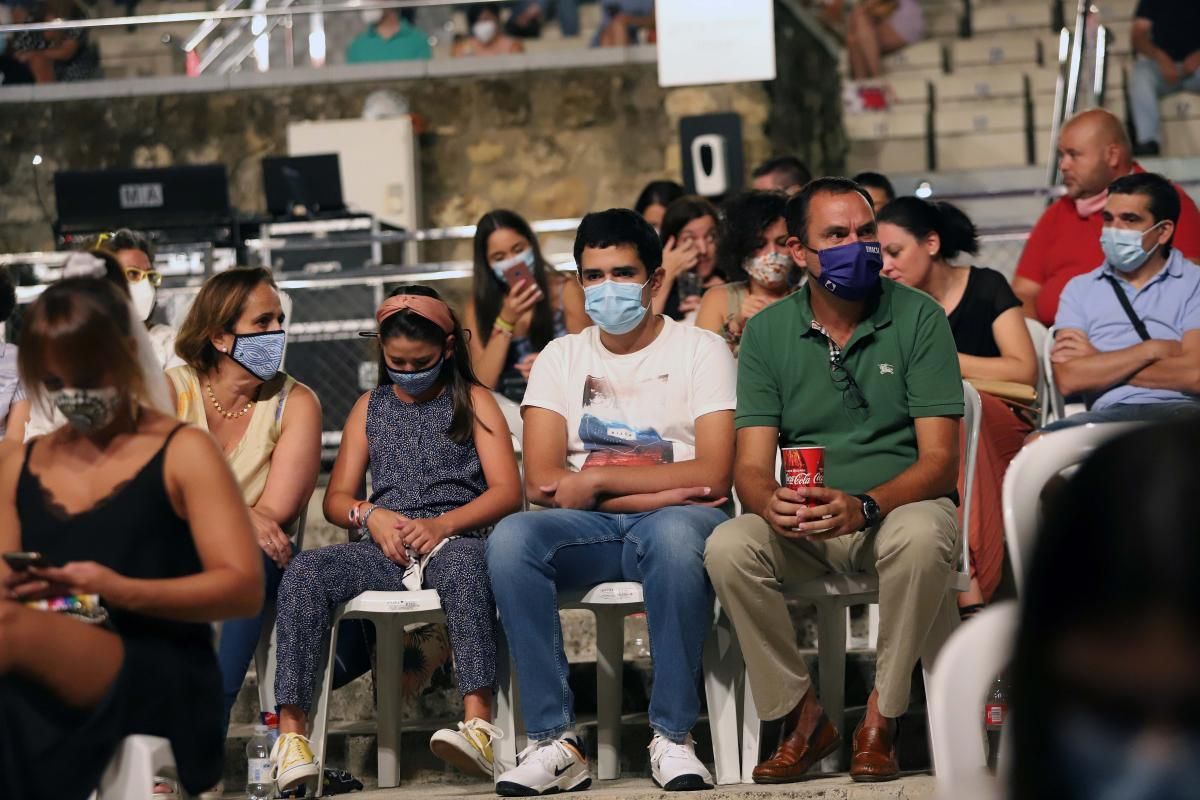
<point>715,41</point>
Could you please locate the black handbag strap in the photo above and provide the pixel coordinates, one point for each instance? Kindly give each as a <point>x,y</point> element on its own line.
<point>1138,325</point>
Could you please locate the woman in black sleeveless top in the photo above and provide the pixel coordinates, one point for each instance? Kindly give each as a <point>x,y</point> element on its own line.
<point>131,506</point>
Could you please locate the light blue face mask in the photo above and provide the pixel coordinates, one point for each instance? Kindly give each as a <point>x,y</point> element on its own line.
<point>260,354</point>
<point>615,307</point>
<point>1123,248</point>
<point>419,382</point>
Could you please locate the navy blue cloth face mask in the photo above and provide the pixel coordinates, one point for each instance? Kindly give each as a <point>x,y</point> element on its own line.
<point>419,382</point>
<point>849,271</point>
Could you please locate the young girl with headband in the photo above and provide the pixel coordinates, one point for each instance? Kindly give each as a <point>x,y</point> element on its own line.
<point>443,473</point>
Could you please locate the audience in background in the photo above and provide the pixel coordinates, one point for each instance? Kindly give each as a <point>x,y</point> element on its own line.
<point>421,527</point>
<point>629,439</point>
<point>920,241</point>
<point>12,71</point>
<point>1093,151</point>
<point>519,303</point>
<point>1166,38</point>
<point>878,186</point>
<point>753,253</point>
<point>135,255</point>
<point>388,37</point>
<point>527,18</point>
<point>624,23</point>
<point>1128,332</point>
<point>267,425</point>
<point>786,174</point>
<point>485,37</point>
<point>14,408</point>
<point>873,29</point>
<point>865,368</point>
<point>690,233</point>
<point>127,504</point>
<point>653,201</point>
<point>56,55</point>
<point>1104,675</point>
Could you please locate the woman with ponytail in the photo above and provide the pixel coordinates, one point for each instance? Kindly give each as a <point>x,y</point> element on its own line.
<point>443,473</point>
<point>921,240</point>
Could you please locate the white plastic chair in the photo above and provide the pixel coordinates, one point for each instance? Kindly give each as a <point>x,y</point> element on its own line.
<point>132,770</point>
<point>512,415</point>
<point>1039,333</point>
<point>833,594</point>
<point>390,613</point>
<point>723,668</point>
<point>1027,475</point>
<point>958,687</point>
<point>1055,406</point>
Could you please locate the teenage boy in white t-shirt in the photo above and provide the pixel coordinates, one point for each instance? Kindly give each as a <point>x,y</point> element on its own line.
<point>629,442</point>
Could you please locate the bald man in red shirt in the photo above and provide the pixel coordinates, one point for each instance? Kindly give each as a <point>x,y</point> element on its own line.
<point>1093,151</point>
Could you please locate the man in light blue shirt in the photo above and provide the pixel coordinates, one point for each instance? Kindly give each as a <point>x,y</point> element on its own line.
<point>1138,359</point>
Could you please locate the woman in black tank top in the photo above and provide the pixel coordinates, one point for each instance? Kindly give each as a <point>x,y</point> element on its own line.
<point>127,504</point>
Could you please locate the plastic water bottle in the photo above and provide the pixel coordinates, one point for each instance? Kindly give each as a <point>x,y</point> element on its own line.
<point>271,720</point>
<point>995,714</point>
<point>259,785</point>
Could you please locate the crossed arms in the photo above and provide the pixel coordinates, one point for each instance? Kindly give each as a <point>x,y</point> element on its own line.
<point>1153,364</point>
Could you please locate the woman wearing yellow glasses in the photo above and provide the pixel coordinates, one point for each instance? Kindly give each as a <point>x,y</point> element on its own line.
<point>133,252</point>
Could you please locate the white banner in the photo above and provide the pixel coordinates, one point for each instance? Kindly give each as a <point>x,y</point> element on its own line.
<point>715,41</point>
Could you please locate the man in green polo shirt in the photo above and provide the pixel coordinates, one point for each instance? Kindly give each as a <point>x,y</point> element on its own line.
<point>388,38</point>
<point>866,368</point>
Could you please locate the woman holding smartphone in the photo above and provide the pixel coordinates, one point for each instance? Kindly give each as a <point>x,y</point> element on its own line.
<point>691,230</point>
<point>131,505</point>
<point>519,303</point>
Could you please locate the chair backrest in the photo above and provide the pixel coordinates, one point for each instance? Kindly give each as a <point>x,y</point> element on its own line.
<point>972,419</point>
<point>1027,475</point>
<point>512,415</point>
<point>1039,333</point>
<point>962,675</point>
<point>1054,407</point>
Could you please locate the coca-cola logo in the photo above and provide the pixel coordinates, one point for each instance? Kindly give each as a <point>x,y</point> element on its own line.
<point>806,478</point>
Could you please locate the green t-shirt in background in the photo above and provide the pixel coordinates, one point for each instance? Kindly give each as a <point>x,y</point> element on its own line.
<point>409,44</point>
<point>902,357</point>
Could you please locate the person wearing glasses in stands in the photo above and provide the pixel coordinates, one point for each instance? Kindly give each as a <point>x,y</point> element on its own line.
<point>870,373</point>
<point>133,252</point>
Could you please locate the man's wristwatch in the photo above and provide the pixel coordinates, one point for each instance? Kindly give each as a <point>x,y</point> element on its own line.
<point>870,510</point>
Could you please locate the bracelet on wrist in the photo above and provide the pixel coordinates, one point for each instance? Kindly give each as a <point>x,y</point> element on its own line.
<point>504,325</point>
<point>364,519</point>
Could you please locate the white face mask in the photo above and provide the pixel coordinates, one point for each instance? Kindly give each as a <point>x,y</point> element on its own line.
<point>372,15</point>
<point>142,294</point>
<point>485,30</point>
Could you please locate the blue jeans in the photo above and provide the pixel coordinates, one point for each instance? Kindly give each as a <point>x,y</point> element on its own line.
<point>1129,412</point>
<point>1146,86</point>
<point>239,639</point>
<point>534,554</point>
<point>566,10</point>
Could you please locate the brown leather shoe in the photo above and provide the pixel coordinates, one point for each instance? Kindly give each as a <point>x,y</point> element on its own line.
<point>797,753</point>
<point>874,758</point>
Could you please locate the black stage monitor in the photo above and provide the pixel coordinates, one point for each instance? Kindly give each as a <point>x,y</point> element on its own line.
<point>145,199</point>
<point>303,186</point>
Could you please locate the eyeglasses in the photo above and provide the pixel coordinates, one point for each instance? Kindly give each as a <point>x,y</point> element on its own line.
<point>852,395</point>
<point>135,275</point>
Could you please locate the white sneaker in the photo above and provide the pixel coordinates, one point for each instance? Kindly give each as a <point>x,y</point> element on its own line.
<point>548,767</point>
<point>293,763</point>
<point>469,748</point>
<point>675,767</point>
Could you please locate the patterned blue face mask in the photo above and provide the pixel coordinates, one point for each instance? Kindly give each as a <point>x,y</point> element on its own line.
<point>419,382</point>
<point>260,354</point>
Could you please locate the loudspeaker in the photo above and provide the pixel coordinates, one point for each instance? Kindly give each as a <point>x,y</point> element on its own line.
<point>711,146</point>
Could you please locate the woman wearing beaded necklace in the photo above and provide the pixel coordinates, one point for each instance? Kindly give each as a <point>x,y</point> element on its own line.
<point>267,424</point>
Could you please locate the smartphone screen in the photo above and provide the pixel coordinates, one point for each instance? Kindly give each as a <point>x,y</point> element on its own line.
<point>517,273</point>
<point>19,562</point>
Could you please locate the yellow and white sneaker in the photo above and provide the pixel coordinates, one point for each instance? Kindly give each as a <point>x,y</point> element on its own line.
<point>469,748</point>
<point>293,763</point>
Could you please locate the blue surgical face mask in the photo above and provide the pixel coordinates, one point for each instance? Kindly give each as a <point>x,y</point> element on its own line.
<point>850,271</point>
<point>1123,248</point>
<point>615,307</point>
<point>260,354</point>
<point>525,257</point>
<point>1101,761</point>
<point>419,382</point>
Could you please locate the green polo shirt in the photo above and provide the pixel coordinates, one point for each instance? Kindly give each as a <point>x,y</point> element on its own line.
<point>409,44</point>
<point>902,357</point>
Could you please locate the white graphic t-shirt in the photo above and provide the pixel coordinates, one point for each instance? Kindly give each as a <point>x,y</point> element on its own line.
<point>636,409</point>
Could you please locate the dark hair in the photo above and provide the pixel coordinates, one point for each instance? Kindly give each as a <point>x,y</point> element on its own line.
<point>489,290</point>
<point>216,309</point>
<point>84,323</point>
<point>619,227</point>
<point>122,239</point>
<point>474,12</point>
<point>457,371</point>
<point>112,270</point>
<point>876,180</point>
<point>8,294</point>
<point>746,216</point>
<point>1164,200</point>
<point>795,170</point>
<point>797,207</point>
<point>684,210</point>
<point>661,193</point>
<point>1100,564</point>
<point>923,217</point>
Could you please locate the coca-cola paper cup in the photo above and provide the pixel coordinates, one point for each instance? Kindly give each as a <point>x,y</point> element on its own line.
<point>803,467</point>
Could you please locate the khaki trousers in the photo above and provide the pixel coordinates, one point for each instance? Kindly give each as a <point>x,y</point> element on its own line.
<point>913,551</point>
